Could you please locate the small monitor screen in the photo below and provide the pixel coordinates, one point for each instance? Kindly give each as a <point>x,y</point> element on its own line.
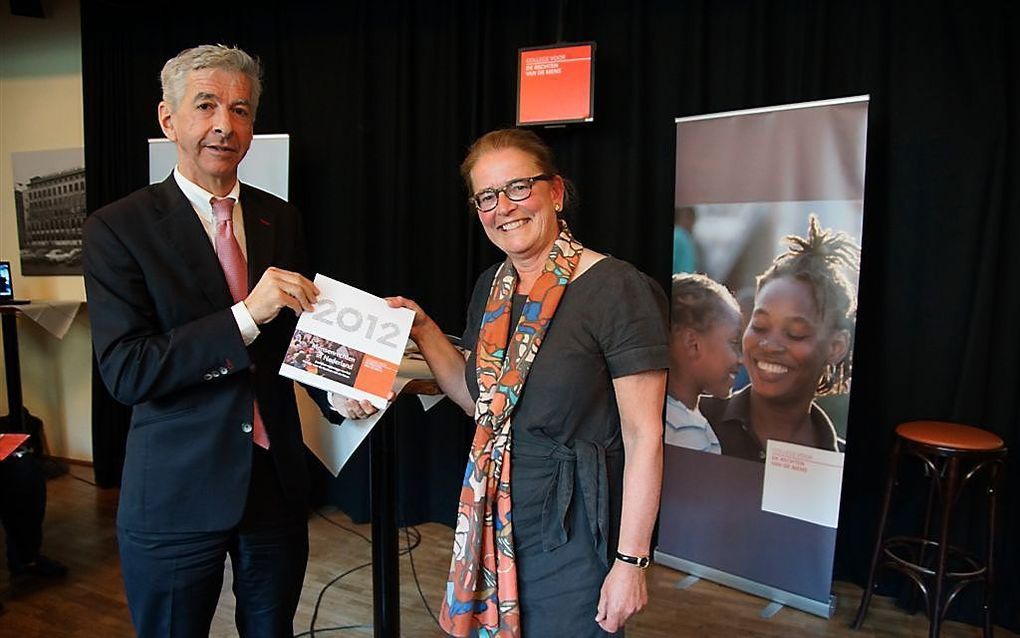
<point>6,282</point>
<point>555,84</point>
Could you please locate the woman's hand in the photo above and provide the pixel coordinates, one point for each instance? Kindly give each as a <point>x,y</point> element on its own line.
<point>624,593</point>
<point>445,361</point>
<point>640,397</point>
<point>421,320</point>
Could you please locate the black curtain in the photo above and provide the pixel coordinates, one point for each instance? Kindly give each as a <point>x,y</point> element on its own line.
<point>381,100</point>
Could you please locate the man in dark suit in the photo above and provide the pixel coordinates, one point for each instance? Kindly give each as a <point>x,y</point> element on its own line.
<point>193,286</point>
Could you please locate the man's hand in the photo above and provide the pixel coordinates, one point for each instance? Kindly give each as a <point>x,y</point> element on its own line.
<point>359,409</point>
<point>280,289</point>
<point>352,408</point>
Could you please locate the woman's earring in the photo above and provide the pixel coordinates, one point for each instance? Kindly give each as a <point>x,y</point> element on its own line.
<point>557,207</point>
<point>829,378</point>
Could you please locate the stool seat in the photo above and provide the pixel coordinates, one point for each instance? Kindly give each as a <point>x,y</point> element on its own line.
<point>949,435</point>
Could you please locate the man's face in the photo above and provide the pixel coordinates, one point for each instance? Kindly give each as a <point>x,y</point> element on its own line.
<point>212,127</point>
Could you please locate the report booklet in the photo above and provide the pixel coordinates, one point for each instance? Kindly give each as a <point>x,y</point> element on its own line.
<point>351,344</point>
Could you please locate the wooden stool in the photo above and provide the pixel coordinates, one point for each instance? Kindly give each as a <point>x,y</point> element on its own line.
<point>952,455</point>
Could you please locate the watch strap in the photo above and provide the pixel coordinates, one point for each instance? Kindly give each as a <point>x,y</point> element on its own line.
<point>640,561</point>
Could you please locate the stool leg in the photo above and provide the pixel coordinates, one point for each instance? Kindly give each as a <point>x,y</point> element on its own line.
<point>993,490</point>
<point>925,533</point>
<point>869,588</point>
<point>948,495</point>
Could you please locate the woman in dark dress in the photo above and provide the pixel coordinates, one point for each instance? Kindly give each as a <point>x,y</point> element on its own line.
<point>566,373</point>
<point>796,347</point>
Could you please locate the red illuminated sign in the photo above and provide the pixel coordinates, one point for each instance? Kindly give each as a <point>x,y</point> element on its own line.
<point>554,84</point>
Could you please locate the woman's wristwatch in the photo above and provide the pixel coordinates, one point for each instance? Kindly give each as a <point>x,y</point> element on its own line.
<point>640,561</point>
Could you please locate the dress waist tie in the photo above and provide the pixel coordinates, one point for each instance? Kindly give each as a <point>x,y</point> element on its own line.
<point>587,460</point>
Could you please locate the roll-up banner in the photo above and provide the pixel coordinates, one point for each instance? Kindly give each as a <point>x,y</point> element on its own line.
<point>766,239</point>
<point>265,166</point>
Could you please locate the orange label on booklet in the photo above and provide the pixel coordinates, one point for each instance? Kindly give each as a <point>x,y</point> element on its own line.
<point>376,376</point>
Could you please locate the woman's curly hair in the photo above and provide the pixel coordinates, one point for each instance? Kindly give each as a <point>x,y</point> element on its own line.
<point>819,260</point>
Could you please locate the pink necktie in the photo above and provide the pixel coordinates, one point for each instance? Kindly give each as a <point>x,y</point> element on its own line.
<point>236,271</point>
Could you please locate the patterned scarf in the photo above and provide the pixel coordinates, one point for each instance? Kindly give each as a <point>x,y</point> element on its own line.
<point>481,593</point>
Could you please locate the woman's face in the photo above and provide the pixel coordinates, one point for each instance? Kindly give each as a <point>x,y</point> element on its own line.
<point>524,229</point>
<point>786,344</point>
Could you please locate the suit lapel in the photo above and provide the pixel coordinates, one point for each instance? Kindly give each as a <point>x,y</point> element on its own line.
<point>259,234</point>
<point>180,225</point>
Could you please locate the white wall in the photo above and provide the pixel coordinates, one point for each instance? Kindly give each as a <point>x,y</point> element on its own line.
<point>41,109</point>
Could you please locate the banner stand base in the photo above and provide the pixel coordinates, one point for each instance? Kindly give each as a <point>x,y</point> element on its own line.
<point>825,609</point>
<point>770,610</point>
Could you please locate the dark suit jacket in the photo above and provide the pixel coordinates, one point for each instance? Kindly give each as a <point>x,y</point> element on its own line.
<point>167,344</point>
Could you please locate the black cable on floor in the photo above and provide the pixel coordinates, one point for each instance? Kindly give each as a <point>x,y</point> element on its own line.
<point>409,533</point>
<point>343,527</point>
<point>414,572</point>
<point>78,478</point>
<point>322,592</point>
<point>326,629</point>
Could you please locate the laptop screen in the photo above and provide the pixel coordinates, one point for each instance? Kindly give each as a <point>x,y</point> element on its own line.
<point>6,282</point>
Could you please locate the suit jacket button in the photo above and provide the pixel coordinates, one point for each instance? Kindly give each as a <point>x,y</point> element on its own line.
<point>246,427</point>
<point>207,376</point>
<point>224,371</point>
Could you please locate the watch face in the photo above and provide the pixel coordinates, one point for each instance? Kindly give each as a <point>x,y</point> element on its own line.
<point>643,562</point>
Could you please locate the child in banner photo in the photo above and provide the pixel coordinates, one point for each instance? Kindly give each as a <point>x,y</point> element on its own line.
<point>705,324</point>
<point>797,346</point>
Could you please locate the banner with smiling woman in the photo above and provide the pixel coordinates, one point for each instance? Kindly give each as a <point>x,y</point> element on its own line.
<point>768,215</point>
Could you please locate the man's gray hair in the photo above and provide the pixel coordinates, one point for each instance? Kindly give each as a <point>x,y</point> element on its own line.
<point>174,76</point>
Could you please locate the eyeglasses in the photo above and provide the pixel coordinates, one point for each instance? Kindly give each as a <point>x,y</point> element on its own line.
<point>515,190</point>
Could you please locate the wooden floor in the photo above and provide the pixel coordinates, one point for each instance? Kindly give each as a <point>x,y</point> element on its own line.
<point>90,603</point>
